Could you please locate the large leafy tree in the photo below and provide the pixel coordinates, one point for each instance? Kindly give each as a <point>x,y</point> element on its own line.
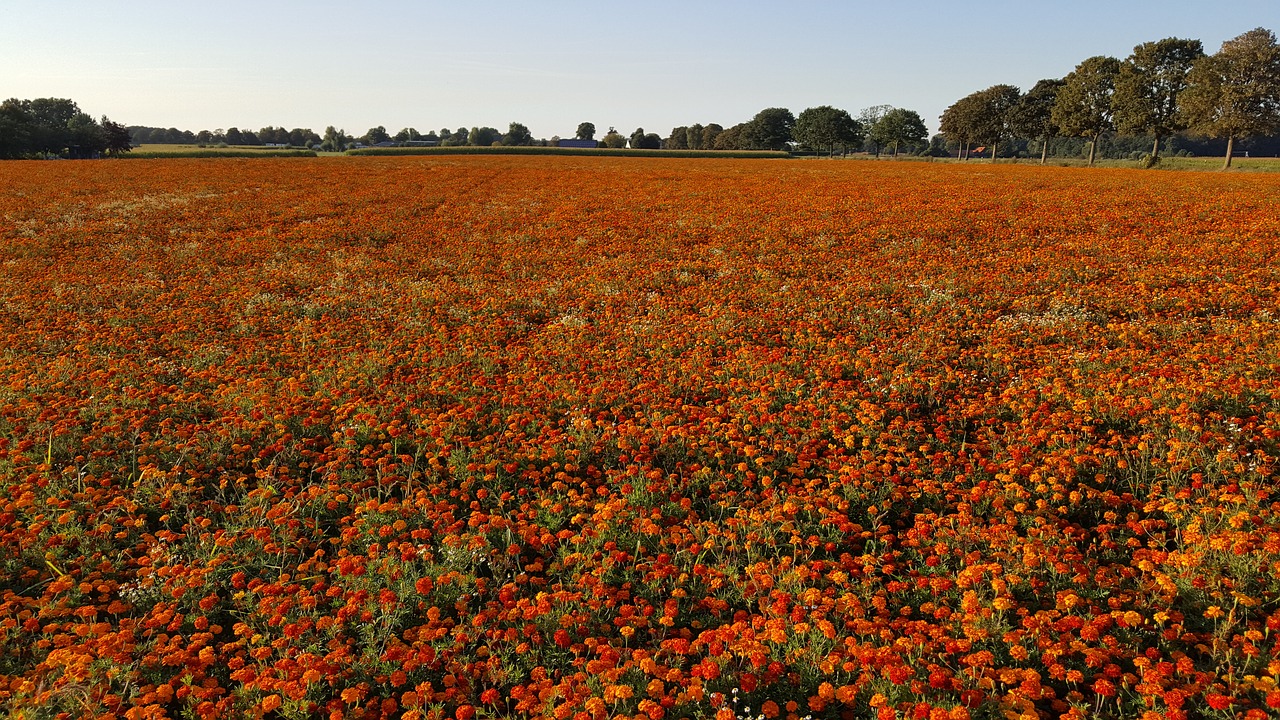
<point>899,127</point>
<point>1033,115</point>
<point>56,126</point>
<point>1148,86</point>
<point>614,139</point>
<point>15,129</point>
<point>709,135</point>
<point>679,138</point>
<point>1083,105</point>
<point>735,137</point>
<point>693,136</point>
<point>984,116</point>
<point>586,131</point>
<point>51,118</point>
<point>825,127</point>
<point>771,129</point>
<point>116,137</point>
<point>483,136</point>
<point>517,134</point>
<point>1236,92</point>
<point>957,122</point>
<point>869,116</point>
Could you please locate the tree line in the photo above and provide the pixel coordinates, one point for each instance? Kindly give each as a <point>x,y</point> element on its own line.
<point>1162,89</point>
<point>54,127</point>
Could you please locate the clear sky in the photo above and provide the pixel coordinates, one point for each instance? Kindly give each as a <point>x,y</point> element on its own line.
<point>551,65</point>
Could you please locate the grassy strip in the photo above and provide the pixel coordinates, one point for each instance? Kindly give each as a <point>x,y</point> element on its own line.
<point>219,154</point>
<point>590,152</point>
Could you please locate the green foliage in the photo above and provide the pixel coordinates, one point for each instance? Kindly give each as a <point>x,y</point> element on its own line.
<point>55,127</point>
<point>586,131</point>
<point>771,129</point>
<point>483,136</point>
<point>678,139</point>
<point>1148,86</point>
<point>732,138</point>
<point>376,135</point>
<point>899,127</point>
<point>984,116</point>
<point>1033,115</point>
<point>517,134</point>
<point>709,135</point>
<point>1235,92</point>
<point>824,127</point>
<point>1083,105</point>
<point>614,140</point>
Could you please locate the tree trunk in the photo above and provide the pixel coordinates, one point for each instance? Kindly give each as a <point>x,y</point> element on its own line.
<point>1231,142</point>
<point>994,146</point>
<point>1044,150</point>
<point>1093,145</point>
<point>1155,149</point>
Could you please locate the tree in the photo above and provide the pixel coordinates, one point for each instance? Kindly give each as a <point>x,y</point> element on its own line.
<point>678,139</point>
<point>825,127</point>
<point>407,134</point>
<point>85,137</point>
<point>1033,115</point>
<point>15,129</point>
<point>586,131</point>
<point>995,114</point>
<point>637,138</point>
<point>116,140</point>
<point>483,136</point>
<point>334,140</point>
<point>517,134</point>
<point>614,139</point>
<point>1148,86</point>
<point>771,129</point>
<point>709,135</point>
<point>984,116</point>
<point>1083,105</point>
<point>50,118</point>
<point>958,123</point>
<point>376,135</point>
<point>693,136</point>
<point>733,138</point>
<point>899,127</point>
<point>234,137</point>
<point>1236,91</point>
<point>869,116</point>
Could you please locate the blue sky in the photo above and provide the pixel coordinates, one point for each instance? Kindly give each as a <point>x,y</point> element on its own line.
<point>552,65</point>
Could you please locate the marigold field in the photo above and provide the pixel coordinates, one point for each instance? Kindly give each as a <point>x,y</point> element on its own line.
<point>584,438</point>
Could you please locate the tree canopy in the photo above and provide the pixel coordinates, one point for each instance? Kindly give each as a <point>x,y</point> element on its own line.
<point>771,129</point>
<point>825,127</point>
<point>56,127</point>
<point>1033,115</point>
<point>984,116</point>
<point>1083,105</point>
<point>899,127</point>
<point>517,134</point>
<point>1148,85</point>
<point>1235,92</point>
